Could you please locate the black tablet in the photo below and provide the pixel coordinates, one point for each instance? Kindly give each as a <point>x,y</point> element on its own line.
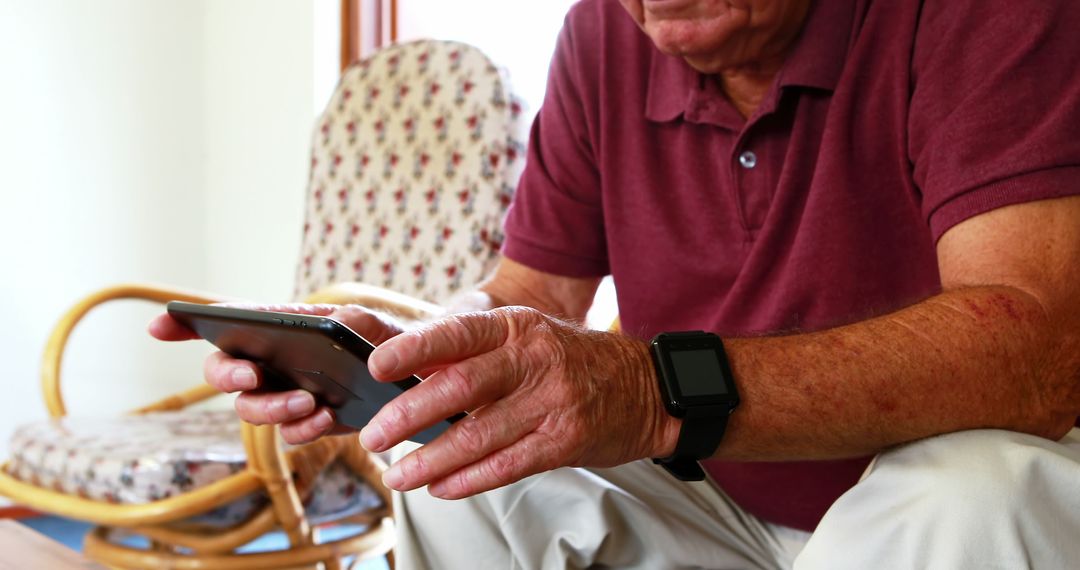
<point>315,353</point>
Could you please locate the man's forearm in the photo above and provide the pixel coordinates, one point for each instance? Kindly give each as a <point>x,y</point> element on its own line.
<point>512,283</point>
<point>980,357</point>
<point>475,300</point>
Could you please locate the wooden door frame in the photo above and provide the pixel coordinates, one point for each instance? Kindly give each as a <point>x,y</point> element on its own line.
<point>353,12</point>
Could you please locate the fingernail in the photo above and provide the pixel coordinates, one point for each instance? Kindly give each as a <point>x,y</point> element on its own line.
<point>300,403</point>
<point>372,437</point>
<point>324,420</point>
<point>384,361</point>
<point>437,489</point>
<point>244,378</point>
<point>392,477</point>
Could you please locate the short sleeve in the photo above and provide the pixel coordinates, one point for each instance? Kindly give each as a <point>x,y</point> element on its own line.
<point>555,223</point>
<point>994,118</point>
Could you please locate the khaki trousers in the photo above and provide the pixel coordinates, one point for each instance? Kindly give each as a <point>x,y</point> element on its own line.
<point>975,499</point>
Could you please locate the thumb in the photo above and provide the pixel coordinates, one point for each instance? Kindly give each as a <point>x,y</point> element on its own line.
<point>164,327</point>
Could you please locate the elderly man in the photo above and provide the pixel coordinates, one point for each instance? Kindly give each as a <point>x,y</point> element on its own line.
<point>873,203</point>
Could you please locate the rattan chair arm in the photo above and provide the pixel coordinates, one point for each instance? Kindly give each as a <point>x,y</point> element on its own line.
<point>377,298</point>
<point>180,401</point>
<point>162,511</point>
<point>54,347</point>
<point>308,462</point>
<point>213,541</point>
<point>369,467</point>
<point>375,542</point>
<point>268,462</point>
<point>616,325</point>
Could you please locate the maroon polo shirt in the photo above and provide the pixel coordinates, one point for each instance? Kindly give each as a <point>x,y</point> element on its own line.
<point>889,123</point>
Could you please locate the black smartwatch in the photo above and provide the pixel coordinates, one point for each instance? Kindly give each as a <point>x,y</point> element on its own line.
<point>697,386</point>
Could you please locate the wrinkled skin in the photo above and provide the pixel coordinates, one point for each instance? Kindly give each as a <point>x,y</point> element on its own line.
<point>720,35</point>
<point>543,394</point>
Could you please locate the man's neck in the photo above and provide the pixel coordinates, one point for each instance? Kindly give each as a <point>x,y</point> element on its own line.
<point>746,87</point>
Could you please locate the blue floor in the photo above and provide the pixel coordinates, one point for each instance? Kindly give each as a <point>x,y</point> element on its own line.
<point>71,533</point>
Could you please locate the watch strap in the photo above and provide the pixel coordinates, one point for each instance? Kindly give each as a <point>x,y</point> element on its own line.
<point>702,430</point>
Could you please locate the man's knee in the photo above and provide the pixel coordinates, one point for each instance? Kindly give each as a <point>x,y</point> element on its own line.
<point>960,500</point>
<point>963,468</point>
<point>970,471</point>
<point>552,519</point>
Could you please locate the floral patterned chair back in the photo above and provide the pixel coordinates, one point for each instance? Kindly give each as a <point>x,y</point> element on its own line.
<point>413,165</point>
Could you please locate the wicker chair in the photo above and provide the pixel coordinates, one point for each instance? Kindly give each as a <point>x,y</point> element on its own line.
<point>413,165</point>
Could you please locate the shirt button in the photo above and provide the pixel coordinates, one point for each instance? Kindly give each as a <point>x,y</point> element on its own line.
<point>748,159</point>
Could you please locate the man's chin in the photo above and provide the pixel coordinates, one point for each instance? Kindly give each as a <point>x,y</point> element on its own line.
<point>703,54</point>
<point>705,64</point>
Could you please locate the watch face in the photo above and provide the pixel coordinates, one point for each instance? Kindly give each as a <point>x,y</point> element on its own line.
<point>698,372</point>
<point>693,371</point>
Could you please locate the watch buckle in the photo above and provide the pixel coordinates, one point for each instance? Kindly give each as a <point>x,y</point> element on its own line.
<point>682,468</point>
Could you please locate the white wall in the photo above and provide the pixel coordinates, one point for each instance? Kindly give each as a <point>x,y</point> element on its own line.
<point>100,181</point>
<point>144,140</point>
<point>258,97</point>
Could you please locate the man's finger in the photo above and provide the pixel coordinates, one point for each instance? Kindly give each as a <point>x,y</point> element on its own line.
<point>309,428</point>
<point>445,341</point>
<point>463,386</point>
<point>230,374</point>
<point>505,466</point>
<point>274,407</point>
<point>494,427</point>
<point>375,327</point>
<point>164,327</point>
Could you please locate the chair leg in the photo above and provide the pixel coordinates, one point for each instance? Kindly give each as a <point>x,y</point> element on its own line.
<point>99,548</point>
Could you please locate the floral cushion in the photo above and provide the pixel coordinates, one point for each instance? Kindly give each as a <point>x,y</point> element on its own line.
<point>139,459</point>
<point>413,164</point>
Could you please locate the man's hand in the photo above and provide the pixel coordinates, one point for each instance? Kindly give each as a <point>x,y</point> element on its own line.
<point>542,394</point>
<point>301,419</point>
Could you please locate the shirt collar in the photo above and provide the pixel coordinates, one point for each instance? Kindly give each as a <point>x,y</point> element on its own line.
<point>671,86</point>
<point>816,60</point>
<point>817,56</point>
